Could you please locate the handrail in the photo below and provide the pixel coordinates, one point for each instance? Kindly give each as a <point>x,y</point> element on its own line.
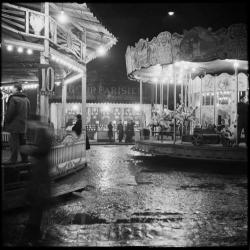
<point>31,23</point>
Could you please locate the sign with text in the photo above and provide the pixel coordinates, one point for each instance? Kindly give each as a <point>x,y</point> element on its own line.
<point>46,79</point>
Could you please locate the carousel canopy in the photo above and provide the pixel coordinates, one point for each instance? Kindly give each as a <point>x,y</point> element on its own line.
<point>198,51</point>
<point>81,18</point>
<point>77,41</point>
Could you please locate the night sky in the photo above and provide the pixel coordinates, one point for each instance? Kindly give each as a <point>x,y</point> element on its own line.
<point>131,21</point>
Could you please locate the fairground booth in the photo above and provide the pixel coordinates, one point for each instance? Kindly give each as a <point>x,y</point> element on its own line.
<point>45,45</point>
<point>200,75</point>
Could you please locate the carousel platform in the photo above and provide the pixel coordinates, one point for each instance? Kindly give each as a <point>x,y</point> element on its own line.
<point>186,150</point>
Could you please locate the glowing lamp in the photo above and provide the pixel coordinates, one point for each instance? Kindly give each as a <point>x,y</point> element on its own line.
<point>171,13</point>
<point>154,80</point>
<point>136,107</point>
<point>9,47</point>
<point>20,50</point>
<point>106,108</point>
<point>62,18</point>
<point>75,107</point>
<point>101,51</point>
<point>29,51</point>
<point>236,64</point>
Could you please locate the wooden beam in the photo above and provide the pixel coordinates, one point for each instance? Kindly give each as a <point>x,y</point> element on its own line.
<point>21,8</point>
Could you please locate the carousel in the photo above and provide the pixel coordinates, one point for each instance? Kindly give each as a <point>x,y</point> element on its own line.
<point>43,45</point>
<point>199,77</point>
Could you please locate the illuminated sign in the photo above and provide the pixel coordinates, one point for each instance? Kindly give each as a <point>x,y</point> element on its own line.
<point>46,79</point>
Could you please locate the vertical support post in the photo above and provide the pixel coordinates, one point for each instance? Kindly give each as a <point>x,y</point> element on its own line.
<point>215,98</point>
<point>141,92</point>
<point>27,22</point>
<point>84,115</point>
<point>174,105</point>
<point>236,103</point>
<point>186,86</point>
<point>167,93</point>
<point>3,113</point>
<point>162,96</point>
<point>182,100</point>
<point>156,93</point>
<point>141,110</point>
<point>44,59</point>
<point>189,89</point>
<point>182,91</point>
<point>64,96</point>
<point>192,92</point>
<point>201,98</point>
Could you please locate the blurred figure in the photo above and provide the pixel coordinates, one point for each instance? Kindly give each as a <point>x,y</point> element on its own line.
<point>18,108</point>
<point>242,118</point>
<point>110,131</point>
<point>120,131</point>
<point>51,125</point>
<point>39,191</point>
<point>77,128</point>
<point>130,131</point>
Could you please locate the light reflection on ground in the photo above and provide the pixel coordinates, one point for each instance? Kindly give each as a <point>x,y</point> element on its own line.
<point>137,200</point>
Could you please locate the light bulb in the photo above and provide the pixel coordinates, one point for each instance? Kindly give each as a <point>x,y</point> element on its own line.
<point>62,18</point>
<point>236,64</point>
<point>101,51</point>
<point>20,50</point>
<point>29,51</point>
<point>9,47</point>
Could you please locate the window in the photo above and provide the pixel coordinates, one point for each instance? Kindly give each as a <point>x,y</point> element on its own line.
<point>223,97</point>
<point>208,99</point>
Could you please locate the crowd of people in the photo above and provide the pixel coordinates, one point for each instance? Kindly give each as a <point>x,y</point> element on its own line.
<point>128,131</point>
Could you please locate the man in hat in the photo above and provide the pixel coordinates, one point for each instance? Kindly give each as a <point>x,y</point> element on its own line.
<point>18,108</point>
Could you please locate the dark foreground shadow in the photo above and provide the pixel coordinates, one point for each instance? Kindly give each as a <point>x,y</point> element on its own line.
<point>165,164</point>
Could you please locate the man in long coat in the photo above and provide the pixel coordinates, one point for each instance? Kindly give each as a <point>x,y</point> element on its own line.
<point>120,131</point>
<point>242,118</point>
<point>18,108</point>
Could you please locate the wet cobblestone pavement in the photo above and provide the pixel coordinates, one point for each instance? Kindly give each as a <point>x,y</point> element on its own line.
<point>134,199</point>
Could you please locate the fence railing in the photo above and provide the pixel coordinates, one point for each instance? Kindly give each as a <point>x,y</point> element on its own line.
<point>65,156</point>
<point>31,23</point>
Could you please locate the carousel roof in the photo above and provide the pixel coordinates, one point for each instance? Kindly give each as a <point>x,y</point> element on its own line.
<point>197,51</point>
<point>164,72</point>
